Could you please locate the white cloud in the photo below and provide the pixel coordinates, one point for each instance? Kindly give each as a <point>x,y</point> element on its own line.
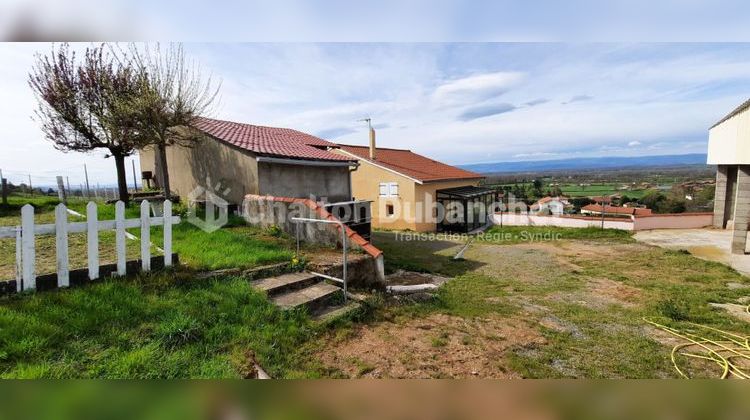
<point>476,88</point>
<point>420,91</point>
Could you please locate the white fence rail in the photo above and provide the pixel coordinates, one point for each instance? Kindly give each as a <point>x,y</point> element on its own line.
<point>26,233</point>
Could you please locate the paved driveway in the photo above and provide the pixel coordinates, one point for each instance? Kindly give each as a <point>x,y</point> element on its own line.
<point>709,244</point>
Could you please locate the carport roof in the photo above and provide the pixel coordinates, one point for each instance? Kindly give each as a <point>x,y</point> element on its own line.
<point>269,141</point>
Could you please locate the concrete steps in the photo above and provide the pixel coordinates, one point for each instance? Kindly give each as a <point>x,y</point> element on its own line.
<point>284,283</point>
<point>295,290</point>
<point>331,313</point>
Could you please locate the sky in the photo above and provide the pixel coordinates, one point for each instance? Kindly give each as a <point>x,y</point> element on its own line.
<point>455,102</point>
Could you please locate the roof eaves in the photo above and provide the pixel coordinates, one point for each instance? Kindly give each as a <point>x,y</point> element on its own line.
<point>743,106</point>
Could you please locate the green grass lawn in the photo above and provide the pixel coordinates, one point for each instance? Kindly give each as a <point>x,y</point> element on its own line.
<point>166,325</point>
<point>160,325</point>
<point>522,234</point>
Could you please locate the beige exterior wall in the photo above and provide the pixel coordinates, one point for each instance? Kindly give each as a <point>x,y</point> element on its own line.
<point>729,142</point>
<point>189,166</point>
<point>412,207</point>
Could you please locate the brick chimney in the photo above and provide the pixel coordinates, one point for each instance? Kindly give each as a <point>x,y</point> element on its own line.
<point>372,144</point>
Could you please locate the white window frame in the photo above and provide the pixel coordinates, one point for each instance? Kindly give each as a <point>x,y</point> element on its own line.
<point>391,189</point>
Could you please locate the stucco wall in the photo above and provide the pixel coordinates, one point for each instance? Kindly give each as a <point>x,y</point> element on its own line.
<point>729,142</point>
<point>232,168</point>
<point>366,186</point>
<point>513,219</point>
<point>300,181</point>
<point>674,221</point>
<point>239,173</point>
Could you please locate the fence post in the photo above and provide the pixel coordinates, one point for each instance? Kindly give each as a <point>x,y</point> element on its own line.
<point>120,237</point>
<point>28,252</point>
<point>19,259</point>
<point>92,234</point>
<point>145,236</point>
<point>61,242</point>
<point>61,193</point>
<point>167,233</point>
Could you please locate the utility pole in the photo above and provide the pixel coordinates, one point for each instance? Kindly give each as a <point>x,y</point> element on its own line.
<point>4,191</point>
<point>31,187</point>
<point>86,172</point>
<point>135,178</point>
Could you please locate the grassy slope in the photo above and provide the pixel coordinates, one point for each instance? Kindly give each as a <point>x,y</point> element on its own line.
<point>164,325</point>
<point>161,326</point>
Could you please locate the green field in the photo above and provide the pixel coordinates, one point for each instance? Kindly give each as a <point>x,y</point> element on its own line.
<point>576,190</point>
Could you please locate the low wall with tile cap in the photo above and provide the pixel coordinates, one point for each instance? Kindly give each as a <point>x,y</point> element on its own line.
<point>266,211</point>
<point>644,222</point>
<point>674,221</point>
<point>572,221</point>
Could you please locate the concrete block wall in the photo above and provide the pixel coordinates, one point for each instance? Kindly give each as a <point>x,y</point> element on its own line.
<point>742,210</point>
<point>720,196</point>
<point>266,211</point>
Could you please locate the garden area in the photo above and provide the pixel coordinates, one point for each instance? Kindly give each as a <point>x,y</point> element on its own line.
<point>584,305</point>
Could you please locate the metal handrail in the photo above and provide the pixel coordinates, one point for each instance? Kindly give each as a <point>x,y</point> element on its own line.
<point>299,220</point>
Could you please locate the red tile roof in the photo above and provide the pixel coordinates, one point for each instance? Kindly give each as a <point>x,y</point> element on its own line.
<point>411,164</point>
<point>270,141</point>
<point>617,210</point>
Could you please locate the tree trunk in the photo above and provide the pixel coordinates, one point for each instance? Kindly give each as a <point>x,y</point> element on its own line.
<point>162,169</point>
<point>122,182</point>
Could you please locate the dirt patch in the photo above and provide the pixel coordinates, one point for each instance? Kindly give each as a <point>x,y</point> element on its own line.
<point>439,346</point>
<point>532,263</point>
<point>601,293</point>
<point>609,291</point>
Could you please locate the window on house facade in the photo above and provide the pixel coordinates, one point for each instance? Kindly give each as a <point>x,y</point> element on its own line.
<point>389,189</point>
<point>389,210</point>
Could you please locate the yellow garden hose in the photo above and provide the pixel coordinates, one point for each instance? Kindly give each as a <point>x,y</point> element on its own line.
<point>731,352</point>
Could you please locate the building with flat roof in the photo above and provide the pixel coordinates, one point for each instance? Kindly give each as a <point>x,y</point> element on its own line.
<point>729,150</point>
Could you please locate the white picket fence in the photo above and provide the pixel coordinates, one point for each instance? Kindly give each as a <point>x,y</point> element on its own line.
<point>26,250</point>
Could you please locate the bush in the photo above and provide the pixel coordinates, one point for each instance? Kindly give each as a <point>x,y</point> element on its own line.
<point>677,310</point>
<point>274,230</point>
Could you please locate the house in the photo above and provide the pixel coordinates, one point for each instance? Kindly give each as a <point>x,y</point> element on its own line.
<point>550,205</point>
<point>236,159</point>
<point>729,149</point>
<point>596,209</point>
<point>406,187</point>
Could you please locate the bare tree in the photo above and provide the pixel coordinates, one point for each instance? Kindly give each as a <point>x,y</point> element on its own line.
<point>90,104</point>
<point>179,94</point>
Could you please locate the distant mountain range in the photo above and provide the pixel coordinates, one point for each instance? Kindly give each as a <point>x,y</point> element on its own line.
<point>588,163</point>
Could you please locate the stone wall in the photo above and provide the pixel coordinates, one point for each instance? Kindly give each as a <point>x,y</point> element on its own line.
<point>720,196</point>
<point>361,271</point>
<point>266,211</point>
